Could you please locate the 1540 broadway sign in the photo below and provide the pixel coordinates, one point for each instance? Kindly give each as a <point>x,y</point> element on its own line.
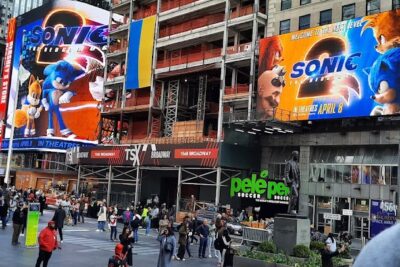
<point>261,189</point>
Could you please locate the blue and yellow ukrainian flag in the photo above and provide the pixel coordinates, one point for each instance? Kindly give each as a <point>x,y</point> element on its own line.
<point>141,44</point>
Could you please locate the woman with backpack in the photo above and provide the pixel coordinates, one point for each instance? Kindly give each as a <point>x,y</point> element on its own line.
<point>167,247</point>
<point>126,239</point>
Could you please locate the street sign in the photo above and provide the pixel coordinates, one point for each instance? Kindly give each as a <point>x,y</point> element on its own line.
<point>347,212</point>
<point>332,216</point>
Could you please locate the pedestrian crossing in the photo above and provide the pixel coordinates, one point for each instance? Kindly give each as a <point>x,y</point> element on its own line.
<point>96,245</point>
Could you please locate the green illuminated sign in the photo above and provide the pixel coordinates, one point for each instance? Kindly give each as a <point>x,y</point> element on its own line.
<point>275,191</point>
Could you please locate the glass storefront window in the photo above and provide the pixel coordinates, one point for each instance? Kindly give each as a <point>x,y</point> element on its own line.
<point>393,180</point>
<point>347,174</point>
<point>355,174</point>
<point>376,178</point>
<point>361,205</point>
<point>324,202</point>
<point>366,175</point>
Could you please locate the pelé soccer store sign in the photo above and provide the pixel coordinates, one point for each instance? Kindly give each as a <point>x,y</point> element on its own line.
<point>261,189</point>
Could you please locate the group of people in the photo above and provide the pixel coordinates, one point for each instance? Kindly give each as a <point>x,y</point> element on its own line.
<point>14,207</point>
<point>213,236</point>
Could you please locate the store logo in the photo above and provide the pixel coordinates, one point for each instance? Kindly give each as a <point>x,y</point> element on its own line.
<point>259,188</point>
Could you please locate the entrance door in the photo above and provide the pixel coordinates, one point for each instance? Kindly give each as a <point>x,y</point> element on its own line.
<point>168,190</point>
<point>361,227</point>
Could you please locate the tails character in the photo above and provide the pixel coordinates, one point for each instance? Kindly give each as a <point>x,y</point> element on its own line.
<point>55,92</point>
<point>384,81</point>
<point>30,109</point>
<point>386,28</point>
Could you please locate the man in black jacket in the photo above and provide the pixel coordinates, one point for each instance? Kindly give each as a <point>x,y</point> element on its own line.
<point>203,232</point>
<point>18,222</point>
<point>58,218</point>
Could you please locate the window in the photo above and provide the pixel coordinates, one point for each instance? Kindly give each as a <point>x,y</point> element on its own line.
<point>395,4</point>
<point>373,6</point>
<point>304,22</point>
<point>305,2</point>
<point>348,12</point>
<point>325,17</point>
<point>286,4</point>
<point>284,26</point>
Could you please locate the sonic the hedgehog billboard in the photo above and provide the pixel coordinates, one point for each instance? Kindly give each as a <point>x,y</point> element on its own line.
<point>57,75</point>
<point>342,70</point>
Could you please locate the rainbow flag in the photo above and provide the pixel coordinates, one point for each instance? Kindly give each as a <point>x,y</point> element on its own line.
<point>140,55</point>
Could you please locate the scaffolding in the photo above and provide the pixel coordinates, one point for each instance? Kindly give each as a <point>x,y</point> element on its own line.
<point>171,106</point>
<point>202,96</point>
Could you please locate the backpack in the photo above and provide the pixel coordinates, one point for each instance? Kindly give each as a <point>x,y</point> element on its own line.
<point>218,243</point>
<point>135,223</point>
<point>115,262</point>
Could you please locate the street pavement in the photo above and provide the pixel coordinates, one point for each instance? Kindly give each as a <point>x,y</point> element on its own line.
<point>83,246</point>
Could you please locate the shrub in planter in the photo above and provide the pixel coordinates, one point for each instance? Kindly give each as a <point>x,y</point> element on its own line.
<point>316,245</point>
<point>267,246</point>
<point>301,251</point>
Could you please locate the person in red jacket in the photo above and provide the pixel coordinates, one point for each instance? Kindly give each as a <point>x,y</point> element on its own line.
<point>47,243</point>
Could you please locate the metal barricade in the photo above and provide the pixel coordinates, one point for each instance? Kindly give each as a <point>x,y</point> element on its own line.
<point>255,235</point>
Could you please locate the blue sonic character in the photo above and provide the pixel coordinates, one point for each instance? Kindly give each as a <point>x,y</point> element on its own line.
<point>55,92</point>
<point>384,81</point>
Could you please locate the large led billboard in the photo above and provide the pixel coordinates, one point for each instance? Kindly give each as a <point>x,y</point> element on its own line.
<point>57,73</point>
<point>341,70</point>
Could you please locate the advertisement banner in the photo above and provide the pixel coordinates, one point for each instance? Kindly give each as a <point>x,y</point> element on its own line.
<point>383,215</point>
<point>140,55</point>
<point>32,225</point>
<point>58,70</point>
<point>342,70</point>
<point>45,144</point>
<point>6,75</point>
<point>197,154</point>
<point>263,189</point>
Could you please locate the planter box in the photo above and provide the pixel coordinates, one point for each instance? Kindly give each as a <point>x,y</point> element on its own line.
<point>247,262</point>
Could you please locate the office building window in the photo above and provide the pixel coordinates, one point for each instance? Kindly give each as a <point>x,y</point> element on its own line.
<point>373,6</point>
<point>286,4</point>
<point>348,12</point>
<point>284,26</point>
<point>305,2</point>
<point>395,4</point>
<point>325,17</point>
<point>304,22</point>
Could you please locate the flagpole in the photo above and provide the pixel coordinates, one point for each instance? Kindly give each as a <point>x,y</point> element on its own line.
<point>7,179</point>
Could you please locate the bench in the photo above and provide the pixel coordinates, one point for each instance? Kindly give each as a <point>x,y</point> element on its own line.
<point>255,235</point>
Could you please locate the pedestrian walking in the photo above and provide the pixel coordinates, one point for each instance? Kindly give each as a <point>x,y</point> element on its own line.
<point>183,239</point>
<point>224,242</point>
<point>18,222</point>
<point>3,213</point>
<point>163,224</point>
<point>101,218</point>
<point>167,247</point>
<point>75,211</point>
<point>126,239</point>
<point>127,216</point>
<point>113,226</point>
<point>82,205</point>
<point>203,232</point>
<point>13,206</point>
<point>211,239</point>
<point>42,201</point>
<point>25,212</point>
<point>58,219</point>
<point>47,244</point>
<point>135,226</point>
